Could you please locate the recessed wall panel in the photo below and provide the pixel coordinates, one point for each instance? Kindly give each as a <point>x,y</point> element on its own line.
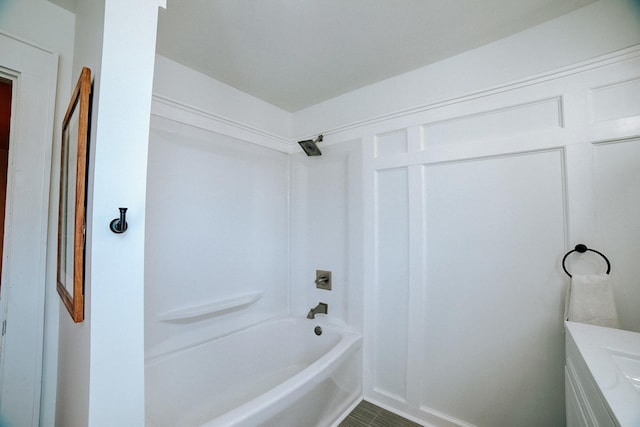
<point>617,199</point>
<point>616,101</point>
<point>392,279</point>
<point>391,143</point>
<point>501,123</point>
<point>493,343</point>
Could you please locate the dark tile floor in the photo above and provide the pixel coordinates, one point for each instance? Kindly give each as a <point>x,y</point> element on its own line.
<point>368,414</point>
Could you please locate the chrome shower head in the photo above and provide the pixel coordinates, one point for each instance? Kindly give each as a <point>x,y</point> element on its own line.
<point>310,146</point>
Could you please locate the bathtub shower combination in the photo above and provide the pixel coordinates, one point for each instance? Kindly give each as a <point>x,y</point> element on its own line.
<point>284,372</point>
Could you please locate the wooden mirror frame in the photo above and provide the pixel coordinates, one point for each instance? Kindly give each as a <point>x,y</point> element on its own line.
<point>72,201</point>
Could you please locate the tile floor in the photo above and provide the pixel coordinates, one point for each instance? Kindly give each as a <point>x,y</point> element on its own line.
<point>368,414</point>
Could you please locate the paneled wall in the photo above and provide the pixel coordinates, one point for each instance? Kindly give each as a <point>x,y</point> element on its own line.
<point>470,205</point>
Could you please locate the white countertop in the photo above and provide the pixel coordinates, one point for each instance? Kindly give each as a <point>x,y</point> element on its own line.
<point>613,357</point>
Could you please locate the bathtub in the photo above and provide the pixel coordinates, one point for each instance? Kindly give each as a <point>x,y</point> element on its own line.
<point>278,373</point>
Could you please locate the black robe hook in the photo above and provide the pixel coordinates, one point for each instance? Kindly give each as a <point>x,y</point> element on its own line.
<point>119,225</point>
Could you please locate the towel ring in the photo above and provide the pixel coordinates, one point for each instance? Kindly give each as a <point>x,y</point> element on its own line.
<point>582,249</point>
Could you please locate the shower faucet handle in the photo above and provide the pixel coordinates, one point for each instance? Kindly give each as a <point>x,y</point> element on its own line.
<point>323,280</point>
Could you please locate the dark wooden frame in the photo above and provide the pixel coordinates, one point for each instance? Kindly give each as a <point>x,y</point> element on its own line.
<point>71,210</point>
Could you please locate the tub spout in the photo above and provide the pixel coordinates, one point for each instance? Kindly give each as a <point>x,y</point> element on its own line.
<point>321,308</point>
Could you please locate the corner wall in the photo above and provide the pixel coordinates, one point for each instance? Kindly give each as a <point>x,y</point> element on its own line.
<point>326,230</point>
<point>102,359</point>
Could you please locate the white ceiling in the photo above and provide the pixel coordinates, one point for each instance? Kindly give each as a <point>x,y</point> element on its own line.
<point>296,53</point>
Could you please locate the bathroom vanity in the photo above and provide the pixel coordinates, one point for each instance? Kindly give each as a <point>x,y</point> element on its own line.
<point>602,376</point>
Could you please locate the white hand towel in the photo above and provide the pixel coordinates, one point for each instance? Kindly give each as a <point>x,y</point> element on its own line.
<point>591,301</point>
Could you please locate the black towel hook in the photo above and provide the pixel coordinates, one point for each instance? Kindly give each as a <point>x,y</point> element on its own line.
<point>582,249</point>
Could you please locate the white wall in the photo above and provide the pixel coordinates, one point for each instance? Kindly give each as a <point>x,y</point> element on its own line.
<point>50,28</point>
<point>72,407</point>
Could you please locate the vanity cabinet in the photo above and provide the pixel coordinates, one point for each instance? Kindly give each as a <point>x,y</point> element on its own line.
<point>602,376</point>
<point>585,405</point>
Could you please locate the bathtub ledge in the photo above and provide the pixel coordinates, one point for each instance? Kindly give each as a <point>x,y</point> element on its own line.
<point>210,309</point>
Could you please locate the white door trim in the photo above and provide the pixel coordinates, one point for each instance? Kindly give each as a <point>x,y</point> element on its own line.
<point>34,73</point>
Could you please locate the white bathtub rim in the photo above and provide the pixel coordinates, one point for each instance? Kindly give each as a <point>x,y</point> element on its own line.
<point>350,341</point>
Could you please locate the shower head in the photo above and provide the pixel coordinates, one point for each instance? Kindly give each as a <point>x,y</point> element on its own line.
<point>310,146</point>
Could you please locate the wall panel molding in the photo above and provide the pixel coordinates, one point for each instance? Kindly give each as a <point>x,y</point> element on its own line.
<point>495,227</point>
<point>615,101</point>
<point>505,122</point>
<point>391,143</point>
<point>416,284</point>
<point>404,118</point>
<point>555,113</point>
<point>410,355</point>
<point>391,289</point>
<point>465,153</point>
<point>182,113</point>
<point>616,189</point>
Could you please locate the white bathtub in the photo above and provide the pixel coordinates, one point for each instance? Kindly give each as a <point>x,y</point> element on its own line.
<point>278,373</point>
